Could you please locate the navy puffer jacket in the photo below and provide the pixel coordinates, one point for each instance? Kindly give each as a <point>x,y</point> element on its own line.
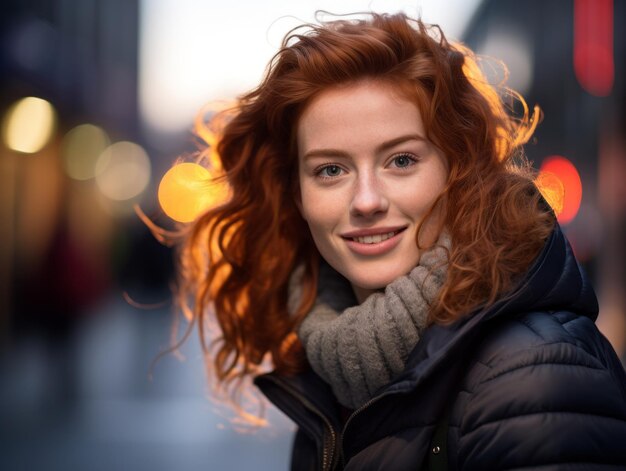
<point>529,384</point>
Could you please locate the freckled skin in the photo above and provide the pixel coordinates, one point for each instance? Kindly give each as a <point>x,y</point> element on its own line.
<point>364,163</point>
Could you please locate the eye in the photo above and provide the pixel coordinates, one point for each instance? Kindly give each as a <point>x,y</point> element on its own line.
<point>403,160</point>
<point>329,171</point>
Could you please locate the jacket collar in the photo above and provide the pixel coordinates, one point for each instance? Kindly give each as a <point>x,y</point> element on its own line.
<point>554,281</point>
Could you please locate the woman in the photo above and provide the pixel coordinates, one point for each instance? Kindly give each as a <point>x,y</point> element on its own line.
<point>386,248</point>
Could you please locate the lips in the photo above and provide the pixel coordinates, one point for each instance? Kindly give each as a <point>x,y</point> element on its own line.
<point>374,241</point>
<point>383,232</point>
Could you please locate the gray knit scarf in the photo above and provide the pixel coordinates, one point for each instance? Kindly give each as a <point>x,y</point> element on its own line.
<point>364,347</point>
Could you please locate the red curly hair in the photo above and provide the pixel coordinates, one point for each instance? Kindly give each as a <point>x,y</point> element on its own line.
<point>236,260</point>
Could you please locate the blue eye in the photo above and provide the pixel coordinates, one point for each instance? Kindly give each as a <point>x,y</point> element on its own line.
<point>403,160</point>
<point>330,171</point>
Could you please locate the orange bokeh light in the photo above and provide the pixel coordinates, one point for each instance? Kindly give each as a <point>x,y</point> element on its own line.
<point>560,184</point>
<point>189,189</point>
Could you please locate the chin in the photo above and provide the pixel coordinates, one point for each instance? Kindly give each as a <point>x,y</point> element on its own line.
<point>373,275</point>
<point>373,283</point>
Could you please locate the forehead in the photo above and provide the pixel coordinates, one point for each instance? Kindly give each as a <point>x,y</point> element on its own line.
<point>357,114</point>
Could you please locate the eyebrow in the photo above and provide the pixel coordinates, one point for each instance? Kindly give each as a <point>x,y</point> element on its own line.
<point>382,147</point>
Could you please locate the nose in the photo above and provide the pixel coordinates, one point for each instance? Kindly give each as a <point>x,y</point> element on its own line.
<point>369,197</point>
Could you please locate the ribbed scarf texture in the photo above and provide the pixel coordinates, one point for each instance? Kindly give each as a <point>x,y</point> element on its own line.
<point>363,348</point>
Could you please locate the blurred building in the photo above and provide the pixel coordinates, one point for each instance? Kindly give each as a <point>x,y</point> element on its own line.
<point>567,57</point>
<point>67,236</point>
<point>79,54</point>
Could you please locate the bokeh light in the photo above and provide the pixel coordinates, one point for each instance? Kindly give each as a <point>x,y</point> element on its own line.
<point>28,125</point>
<point>560,184</point>
<point>510,45</point>
<point>593,46</point>
<point>189,189</point>
<point>123,171</point>
<point>81,148</point>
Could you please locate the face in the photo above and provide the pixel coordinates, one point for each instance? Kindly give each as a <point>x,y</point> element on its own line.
<point>368,176</point>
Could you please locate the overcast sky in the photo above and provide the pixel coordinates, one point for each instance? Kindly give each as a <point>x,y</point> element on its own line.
<point>195,51</point>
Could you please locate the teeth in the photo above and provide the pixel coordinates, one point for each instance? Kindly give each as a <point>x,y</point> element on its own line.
<point>373,239</point>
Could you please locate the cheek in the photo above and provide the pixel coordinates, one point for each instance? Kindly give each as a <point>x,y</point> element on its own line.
<point>430,227</point>
<point>414,203</point>
<point>318,219</point>
<point>419,197</point>
<point>311,206</point>
<point>321,211</point>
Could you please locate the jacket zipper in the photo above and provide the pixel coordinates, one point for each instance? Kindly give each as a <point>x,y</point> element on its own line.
<point>328,451</point>
<point>354,414</point>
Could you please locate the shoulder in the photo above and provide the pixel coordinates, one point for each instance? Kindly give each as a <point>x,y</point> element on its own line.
<point>543,388</point>
<point>543,337</point>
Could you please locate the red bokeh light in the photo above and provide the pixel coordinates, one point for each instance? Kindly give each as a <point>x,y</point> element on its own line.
<point>556,171</point>
<point>593,46</point>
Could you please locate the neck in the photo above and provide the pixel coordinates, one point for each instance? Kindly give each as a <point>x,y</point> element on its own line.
<point>363,293</point>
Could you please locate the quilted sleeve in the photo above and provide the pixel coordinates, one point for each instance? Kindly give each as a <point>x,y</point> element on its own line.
<point>548,407</point>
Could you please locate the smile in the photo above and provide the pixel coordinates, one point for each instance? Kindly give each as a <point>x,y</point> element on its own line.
<point>374,239</point>
<point>374,242</point>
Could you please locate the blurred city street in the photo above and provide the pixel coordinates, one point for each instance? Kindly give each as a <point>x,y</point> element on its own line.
<point>88,403</point>
<point>97,105</point>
